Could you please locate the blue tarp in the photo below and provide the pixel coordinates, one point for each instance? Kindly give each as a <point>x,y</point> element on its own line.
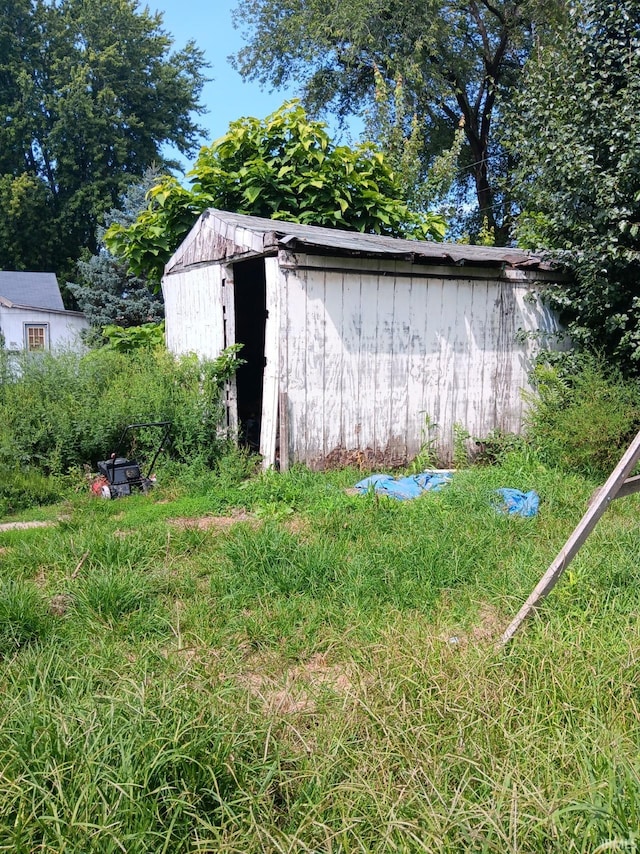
<point>405,488</point>
<point>514,502</point>
<point>518,503</point>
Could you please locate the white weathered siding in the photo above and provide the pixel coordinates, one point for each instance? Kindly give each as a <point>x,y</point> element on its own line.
<point>360,351</point>
<point>271,377</point>
<point>193,310</point>
<point>372,351</point>
<point>63,328</point>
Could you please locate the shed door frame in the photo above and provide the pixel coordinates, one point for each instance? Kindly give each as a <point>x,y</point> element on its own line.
<point>270,383</point>
<point>271,377</point>
<point>229,338</point>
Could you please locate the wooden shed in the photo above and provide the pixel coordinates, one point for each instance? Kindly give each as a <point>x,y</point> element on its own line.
<point>353,340</point>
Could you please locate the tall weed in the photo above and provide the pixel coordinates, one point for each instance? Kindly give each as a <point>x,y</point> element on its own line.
<point>584,421</point>
<point>26,487</point>
<point>130,772</point>
<point>65,410</point>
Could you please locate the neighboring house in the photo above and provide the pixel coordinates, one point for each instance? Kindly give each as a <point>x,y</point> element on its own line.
<point>353,340</point>
<point>33,316</point>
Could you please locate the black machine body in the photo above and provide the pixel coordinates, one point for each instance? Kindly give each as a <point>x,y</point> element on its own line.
<point>119,476</point>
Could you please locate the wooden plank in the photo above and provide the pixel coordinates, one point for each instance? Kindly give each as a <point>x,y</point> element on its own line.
<point>228,307</point>
<point>314,368</point>
<point>383,367</point>
<point>503,368</point>
<point>283,421</point>
<point>629,487</point>
<point>446,366</point>
<point>271,376</point>
<point>284,433</point>
<point>332,417</point>
<point>367,362</point>
<point>209,316</point>
<point>295,334</point>
<point>195,319</point>
<point>475,355</point>
<point>351,334</point>
<point>400,350</point>
<point>478,378</point>
<point>430,407</point>
<point>374,266</point>
<point>588,522</point>
<point>460,347</point>
<point>418,365</point>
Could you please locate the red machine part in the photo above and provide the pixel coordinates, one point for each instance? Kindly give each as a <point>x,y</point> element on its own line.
<point>98,484</point>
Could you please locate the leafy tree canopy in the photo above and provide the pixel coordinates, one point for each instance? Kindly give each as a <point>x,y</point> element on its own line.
<point>90,91</point>
<point>455,59</point>
<point>106,292</point>
<point>283,167</point>
<point>577,138</point>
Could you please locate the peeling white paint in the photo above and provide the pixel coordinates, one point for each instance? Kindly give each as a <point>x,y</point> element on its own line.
<point>361,350</point>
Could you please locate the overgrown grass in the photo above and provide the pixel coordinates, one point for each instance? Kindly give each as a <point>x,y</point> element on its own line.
<point>268,663</point>
<point>61,412</point>
<point>583,415</point>
<point>320,674</point>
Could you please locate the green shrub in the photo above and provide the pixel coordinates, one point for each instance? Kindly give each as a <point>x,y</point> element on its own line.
<point>23,488</point>
<point>584,421</point>
<point>65,410</point>
<point>126,340</point>
<point>497,445</point>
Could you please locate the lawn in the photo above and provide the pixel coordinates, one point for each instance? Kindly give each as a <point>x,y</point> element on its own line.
<point>274,664</point>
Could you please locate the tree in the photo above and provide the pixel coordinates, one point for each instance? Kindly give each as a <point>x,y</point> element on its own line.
<point>577,139</point>
<point>284,167</point>
<point>455,61</point>
<point>107,293</point>
<point>389,126</point>
<point>90,91</point>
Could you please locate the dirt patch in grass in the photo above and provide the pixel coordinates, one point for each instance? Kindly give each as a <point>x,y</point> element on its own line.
<point>20,526</point>
<point>59,604</point>
<point>297,525</point>
<point>487,629</point>
<point>296,690</point>
<point>40,578</point>
<point>216,523</point>
<point>490,625</point>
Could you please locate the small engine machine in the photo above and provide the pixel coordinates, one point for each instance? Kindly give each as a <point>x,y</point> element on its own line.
<point>119,476</point>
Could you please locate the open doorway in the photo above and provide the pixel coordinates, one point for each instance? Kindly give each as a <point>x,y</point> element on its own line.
<point>250,305</point>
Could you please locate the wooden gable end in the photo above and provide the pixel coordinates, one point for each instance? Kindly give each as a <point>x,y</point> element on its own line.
<point>215,240</point>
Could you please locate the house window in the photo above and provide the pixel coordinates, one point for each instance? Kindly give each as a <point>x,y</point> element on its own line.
<point>36,336</point>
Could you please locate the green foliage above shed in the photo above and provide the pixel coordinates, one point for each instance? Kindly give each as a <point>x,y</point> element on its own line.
<point>284,167</point>
<point>577,137</point>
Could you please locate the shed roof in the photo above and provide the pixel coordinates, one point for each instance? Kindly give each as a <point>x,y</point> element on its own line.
<point>221,235</point>
<point>33,290</point>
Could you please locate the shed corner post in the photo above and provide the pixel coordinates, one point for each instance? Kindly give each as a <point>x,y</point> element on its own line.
<point>229,338</point>
<point>271,384</point>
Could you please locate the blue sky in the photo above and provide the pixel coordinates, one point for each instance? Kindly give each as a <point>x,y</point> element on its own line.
<point>227,96</point>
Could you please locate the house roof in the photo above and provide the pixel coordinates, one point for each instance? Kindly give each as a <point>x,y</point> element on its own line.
<point>32,290</point>
<point>220,235</point>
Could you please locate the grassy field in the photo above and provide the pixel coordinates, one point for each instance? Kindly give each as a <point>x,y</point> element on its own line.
<point>276,665</point>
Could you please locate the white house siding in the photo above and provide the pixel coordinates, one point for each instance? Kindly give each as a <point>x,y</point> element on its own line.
<point>63,328</point>
<point>193,310</point>
<point>370,351</point>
